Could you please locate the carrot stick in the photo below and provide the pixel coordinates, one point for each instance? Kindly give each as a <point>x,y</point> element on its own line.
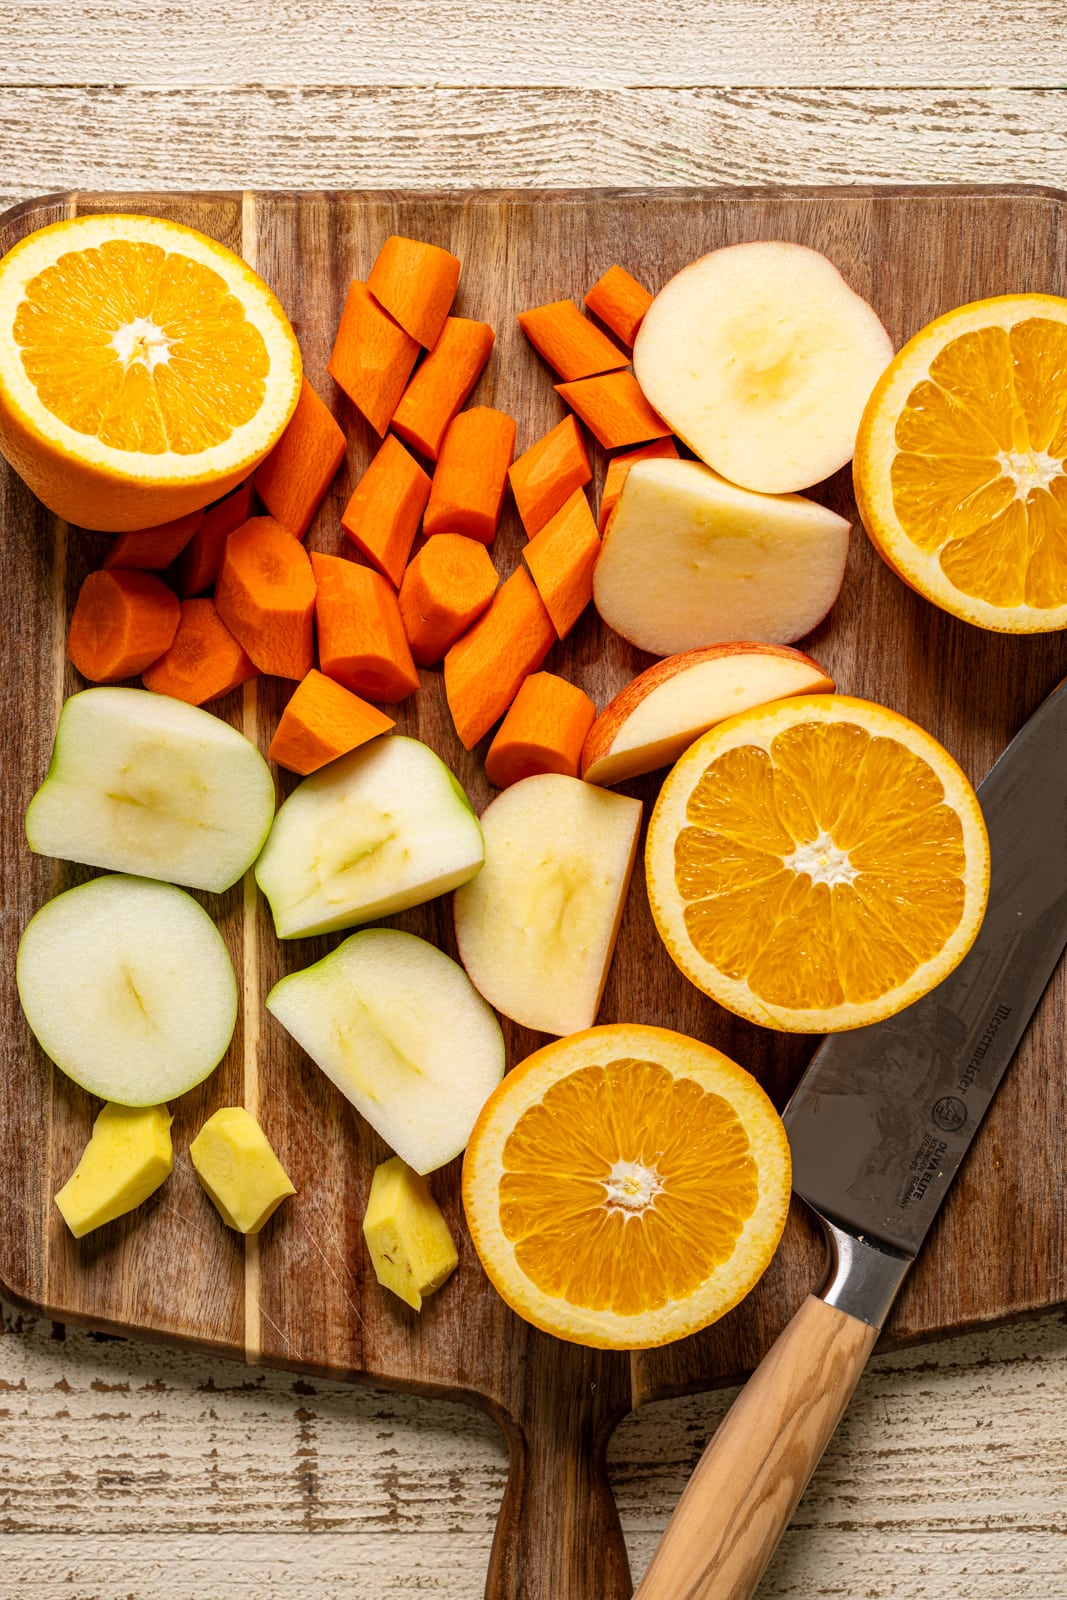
<point>152,549</point>
<point>204,662</point>
<point>321,722</point>
<point>547,474</point>
<point>382,517</point>
<point>619,466</point>
<point>447,587</point>
<point>416,284</point>
<point>361,635</point>
<point>561,559</point>
<point>620,302</point>
<point>199,563</point>
<point>293,479</point>
<point>372,357</point>
<point>442,384</point>
<point>122,622</point>
<point>615,409</point>
<point>544,731</point>
<point>570,344</point>
<point>472,474</point>
<point>266,597</point>
<point>484,669</point>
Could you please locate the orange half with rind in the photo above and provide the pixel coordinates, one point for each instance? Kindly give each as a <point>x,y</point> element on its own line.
<point>626,1186</point>
<point>960,467</point>
<point>144,369</point>
<point>817,864</point>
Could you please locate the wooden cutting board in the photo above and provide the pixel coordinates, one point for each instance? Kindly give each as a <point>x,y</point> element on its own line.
<point>302,1295</point>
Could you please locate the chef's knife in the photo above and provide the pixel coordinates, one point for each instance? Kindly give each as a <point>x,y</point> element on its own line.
<point>878,1127</point>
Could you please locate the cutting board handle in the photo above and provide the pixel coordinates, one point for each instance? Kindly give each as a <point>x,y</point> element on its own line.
<point>558,1535</point>
<point>739,1500</point>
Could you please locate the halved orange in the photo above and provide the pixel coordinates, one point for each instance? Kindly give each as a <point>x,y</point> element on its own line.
<point>144,369</point>
<point>817,863</point>
<point>960,463</point>
<point>626,1186</point>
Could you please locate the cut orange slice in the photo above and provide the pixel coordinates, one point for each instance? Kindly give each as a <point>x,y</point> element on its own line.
<point>959,467</point>
<point>817,864</point>
<point>144,369</point>
<point>626,1186</point>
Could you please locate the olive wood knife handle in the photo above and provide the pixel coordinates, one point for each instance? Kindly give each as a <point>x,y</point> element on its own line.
<point>739,1500</point>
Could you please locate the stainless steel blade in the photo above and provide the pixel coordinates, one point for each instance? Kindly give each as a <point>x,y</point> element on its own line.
<point>884,1115</point>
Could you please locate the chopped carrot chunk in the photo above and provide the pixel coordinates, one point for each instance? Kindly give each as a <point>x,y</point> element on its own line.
<point>123,621</point>
<point>204,661</point>
<point>614,407</point>
<point>199,562</point>
<point>573,346</point>
<point>547,474</point>
<point>484,669</point>
<point>442,384</point>
<point>322,721</point>
<point>447,587</point>
<point>472,475</point>
<point>416,284</point>
<point>361,635</point>
<point>294,478</point>
<point>620,302</point>
<point>266,597</point>
<point>372,357</point>
<point>561,559</point>
<point>382,517</point>
<point>544,731</point>
<point>152,549</point>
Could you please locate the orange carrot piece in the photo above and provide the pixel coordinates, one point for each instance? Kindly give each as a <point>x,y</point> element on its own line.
<point>416,284</point>
<point>321,722</point>
<point>467,495</point>
<point>152,549</point>
<point>614,408</point>
<point>293,479</point>
<point>442,384</point>
<point>382,517</point>
<point>547,474</point>
<point>484,669</point>
<point>619,466</point>
<point>372,357</point>
<point>447,587</point>
<point>266,597</point>
<point>561,559</point>
<point>122,622</point>
<point>570,344</point>
<point>620,302</point>
<point>361,635</point>
<point>204,662</point>
<point>544,731</point>
<point>199,562</point>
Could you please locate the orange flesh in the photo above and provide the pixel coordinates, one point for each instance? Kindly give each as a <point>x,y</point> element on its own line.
<point>626,1187</point>
<point>142,348</point>
<point>979,476</point>
<point>876,885</point>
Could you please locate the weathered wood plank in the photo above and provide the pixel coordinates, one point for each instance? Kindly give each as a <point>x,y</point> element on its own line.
<point>100,138</point>
<point>616,43</point>
<point>140,1464</point>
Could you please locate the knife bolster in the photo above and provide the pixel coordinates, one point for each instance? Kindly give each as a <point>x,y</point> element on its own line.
<point>864,1278</point>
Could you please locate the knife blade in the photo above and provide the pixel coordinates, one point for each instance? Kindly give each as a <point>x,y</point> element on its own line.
<point>878,1127</point>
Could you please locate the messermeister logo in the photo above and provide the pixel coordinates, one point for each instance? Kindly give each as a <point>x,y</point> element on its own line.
<point>971,1070</point>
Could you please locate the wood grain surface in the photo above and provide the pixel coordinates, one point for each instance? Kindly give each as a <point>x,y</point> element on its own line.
<point>173,1271</point>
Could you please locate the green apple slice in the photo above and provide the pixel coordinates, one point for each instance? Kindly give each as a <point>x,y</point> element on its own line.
<point>128,987</point>
<point>145,784</point>
<point>381,829</point>
<point>400,1029</point>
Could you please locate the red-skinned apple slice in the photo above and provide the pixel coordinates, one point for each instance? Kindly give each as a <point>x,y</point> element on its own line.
<point>690,560</point>
<point>761,357</point>
<point>659,714</point>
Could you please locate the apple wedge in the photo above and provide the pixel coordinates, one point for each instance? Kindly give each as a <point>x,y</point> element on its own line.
<point>383,828</point>
<point>142,783</point>
<point>536,928</point>
<point>762,359</point>
<point>399,1028</point>
<point>657,716</point>
<point>691,560</point>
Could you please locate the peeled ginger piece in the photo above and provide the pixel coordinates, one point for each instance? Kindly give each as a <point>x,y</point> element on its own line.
<point>410,1246</point>
<point>127,1158</point>
<point>237,1166</point>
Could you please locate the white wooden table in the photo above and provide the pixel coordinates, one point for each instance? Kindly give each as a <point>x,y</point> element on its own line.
<point>129,1472</point>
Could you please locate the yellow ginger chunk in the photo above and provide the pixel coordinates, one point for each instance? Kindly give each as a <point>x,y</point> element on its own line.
<point>408,1238</point>
<point>239,1170</point>
<point>127,1158</point>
